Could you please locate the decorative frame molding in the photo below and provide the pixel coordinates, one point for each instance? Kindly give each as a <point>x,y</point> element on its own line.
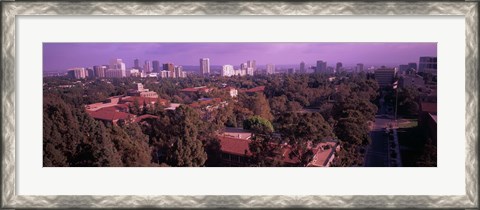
<point>10,10</point>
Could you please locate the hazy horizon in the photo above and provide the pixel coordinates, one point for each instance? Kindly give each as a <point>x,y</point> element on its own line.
<point>61,56</point>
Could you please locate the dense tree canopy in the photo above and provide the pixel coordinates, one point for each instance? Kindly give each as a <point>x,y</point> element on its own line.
<point>294,108</point>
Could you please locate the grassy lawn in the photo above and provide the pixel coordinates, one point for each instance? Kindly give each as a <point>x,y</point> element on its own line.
<point>407,123</point>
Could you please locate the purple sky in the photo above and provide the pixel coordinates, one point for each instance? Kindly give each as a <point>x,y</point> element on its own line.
<point>61,56</point>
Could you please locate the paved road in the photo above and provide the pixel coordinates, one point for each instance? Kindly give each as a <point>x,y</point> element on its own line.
<point>377,151</point>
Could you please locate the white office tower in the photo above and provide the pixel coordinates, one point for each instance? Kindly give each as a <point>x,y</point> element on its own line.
<point>252,64</point>
<point>116,69</point>
<point>164,74</point>
<point>179,72</point>
<point>227,71</point>
<point>205,66</point>
<point>117,64</point>
<point>243,66</point>
<point>250,71</point>
<point>270,69</point>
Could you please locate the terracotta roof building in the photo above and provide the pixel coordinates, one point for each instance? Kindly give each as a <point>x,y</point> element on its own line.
<point>254,90</point>
<point>110,116</point>
<point>236,152</point>
<point>203,89</point>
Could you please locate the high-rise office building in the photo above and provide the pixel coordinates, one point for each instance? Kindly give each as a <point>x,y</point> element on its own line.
<point>89,73</point>
<point>243,66</point>
<point>179,72</point>
<point>291,71</point>
<point>136,64</point>
<point>402,69</point>
<point>412,66</point>
<point>330,70</point>
<point>205,66</point>
<point>227,71</point>
<point>117,64</point>
<point>99,71</point>
<point>250,71</point>
<point>164,74</point>
<point>170,68</point>
<point>252,64</point>
<point>321,67</point>
<point>156,66</point>
<point>147,67</point>
<point>77,73</point>
<point>270,69</point>
<point>359,67</point>
<point>385,76</point>
<point>302,68</point>
<point>116,69</point>
<point>115,73</point>
<point>428,65</point>
<point>339,66</point>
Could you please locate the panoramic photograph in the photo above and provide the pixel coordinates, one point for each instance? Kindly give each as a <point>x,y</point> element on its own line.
<point>240,104</point>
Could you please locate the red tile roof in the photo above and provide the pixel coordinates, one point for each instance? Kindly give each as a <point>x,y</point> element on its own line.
<point>254,90</point>
<point>238,146</point>
<point>110,115</point>
<point>141,100</point>
<point>235,146</point>
<point>116,108</point>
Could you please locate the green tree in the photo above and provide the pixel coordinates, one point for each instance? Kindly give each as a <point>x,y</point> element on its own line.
<point>352,128</point>
<point>187,148</point>
<point>258,124</point>
<point>261,107</point>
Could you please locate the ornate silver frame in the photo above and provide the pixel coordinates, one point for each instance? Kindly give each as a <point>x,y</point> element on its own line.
<point>10,10</point>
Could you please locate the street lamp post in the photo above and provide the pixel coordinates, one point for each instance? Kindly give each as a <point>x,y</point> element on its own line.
<point>395,84</point>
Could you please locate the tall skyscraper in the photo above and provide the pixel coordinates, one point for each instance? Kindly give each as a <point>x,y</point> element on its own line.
<point>428,65</point>
<point>302,68</point>
<point>136,64</point>
<point>156,66</point>
<point>252,64</point>
<point>117,64</point>
<point>321,67</point>
<point>147,67</point>
<point>339,66</point>
<point>205,66</point>
<point>291,70</point>
<point>270,69</point>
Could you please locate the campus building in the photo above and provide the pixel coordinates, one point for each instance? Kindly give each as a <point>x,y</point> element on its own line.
<point>384,76</point>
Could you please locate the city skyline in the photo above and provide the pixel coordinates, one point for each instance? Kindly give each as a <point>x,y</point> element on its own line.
<point>62,56</point>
